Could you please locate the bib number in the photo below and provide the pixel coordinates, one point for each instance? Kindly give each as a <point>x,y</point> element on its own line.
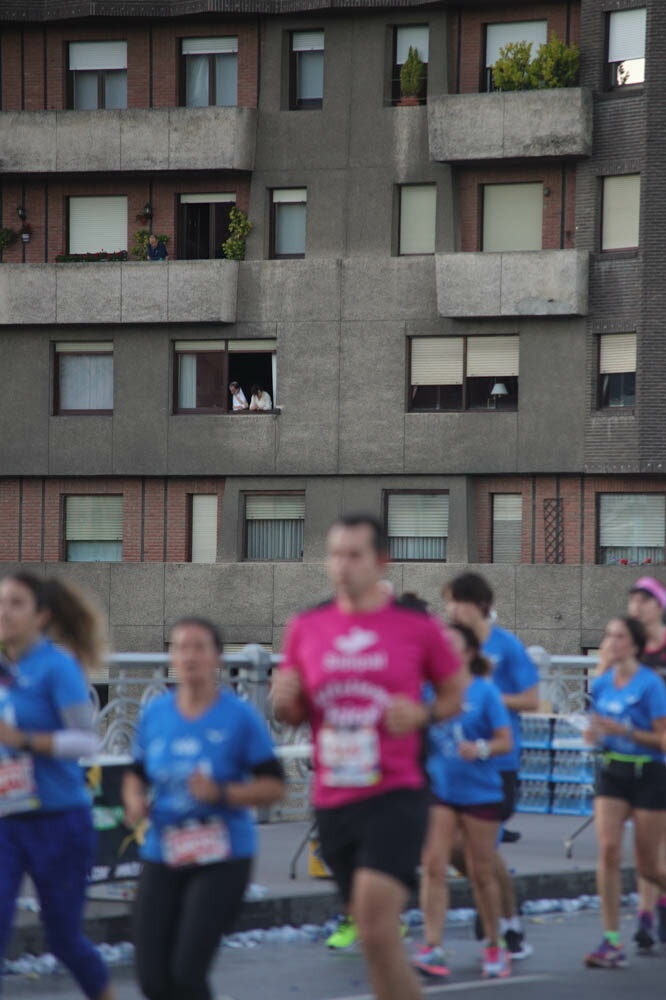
<point>350,757</point>
<point>18,790</point>
<point>196,844</point>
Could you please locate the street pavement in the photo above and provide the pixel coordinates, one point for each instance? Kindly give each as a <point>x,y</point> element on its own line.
<point>306,971</point>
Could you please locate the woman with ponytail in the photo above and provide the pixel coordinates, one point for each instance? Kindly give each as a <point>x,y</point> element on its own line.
<point>48,633</point>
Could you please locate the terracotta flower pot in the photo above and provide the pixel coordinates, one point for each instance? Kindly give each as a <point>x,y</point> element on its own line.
<point>408,101</point>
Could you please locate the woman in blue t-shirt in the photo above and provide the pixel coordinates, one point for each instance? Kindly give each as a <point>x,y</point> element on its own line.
<point>46,724</point>
<point>628,722</point>
<point>466,803</point>
<point>203,758</point>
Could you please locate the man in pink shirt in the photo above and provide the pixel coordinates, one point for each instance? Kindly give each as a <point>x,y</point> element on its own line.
<point>355,669</point>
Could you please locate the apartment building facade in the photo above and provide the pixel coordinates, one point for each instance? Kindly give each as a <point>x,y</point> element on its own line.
<point>455,307</point>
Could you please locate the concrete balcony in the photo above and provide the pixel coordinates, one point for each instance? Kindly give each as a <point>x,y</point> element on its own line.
<point>529,283</point>
<point>202,291</point>
<point>463,128</point>
<point>41,142</point>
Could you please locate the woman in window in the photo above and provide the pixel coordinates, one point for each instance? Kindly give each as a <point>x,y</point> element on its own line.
<point>260,399</point>
<point>628,723</point>
<point>203,758</point>
<point>466,803</point>
<point>46,725</point>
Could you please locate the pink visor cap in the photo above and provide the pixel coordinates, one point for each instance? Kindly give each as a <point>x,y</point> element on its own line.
<point>650,586</point>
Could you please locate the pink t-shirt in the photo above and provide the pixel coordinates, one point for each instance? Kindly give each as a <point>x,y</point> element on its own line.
<point>351,666</point>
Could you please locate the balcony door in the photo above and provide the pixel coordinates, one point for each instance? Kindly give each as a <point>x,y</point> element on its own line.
<point>204,225</point>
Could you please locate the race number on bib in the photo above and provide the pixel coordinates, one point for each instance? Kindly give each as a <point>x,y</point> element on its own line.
<point>18,791</point>
<point>196,844</point>
<point>349,758</point>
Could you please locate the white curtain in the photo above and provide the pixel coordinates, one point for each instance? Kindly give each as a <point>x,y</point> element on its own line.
<point>187,381</point>
<point>196,81</point>
<point>274,539</point>
<point>86,382</point>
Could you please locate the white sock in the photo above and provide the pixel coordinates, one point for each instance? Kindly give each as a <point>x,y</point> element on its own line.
<point>515,925</point>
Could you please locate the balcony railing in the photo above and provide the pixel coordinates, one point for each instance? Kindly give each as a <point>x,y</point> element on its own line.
<point>527,283</point>
<point>542,124</point>
<point>141,139</point>
<point>175,291</point>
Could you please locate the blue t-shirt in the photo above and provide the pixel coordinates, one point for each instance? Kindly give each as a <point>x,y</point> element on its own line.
<point>226,742</point>
<point>453,779</point>
<point>513,673</point>
<point>45,681</point>
<point>639,702</point>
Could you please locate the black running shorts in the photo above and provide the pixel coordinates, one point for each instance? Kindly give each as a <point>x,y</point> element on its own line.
<point>642,786</point>
<point>384,833</point>
<point>510,785</point>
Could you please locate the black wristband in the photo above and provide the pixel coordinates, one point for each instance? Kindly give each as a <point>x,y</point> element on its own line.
<point>26,743</point>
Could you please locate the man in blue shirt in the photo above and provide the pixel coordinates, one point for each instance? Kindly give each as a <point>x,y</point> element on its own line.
<point>469,599</point>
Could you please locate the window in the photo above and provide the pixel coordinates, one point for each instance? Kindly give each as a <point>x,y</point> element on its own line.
<point>512,216</point>
<point>617,369</point>
<point>306,70</point>
<point>93,529</point>
<point>415,36</point>
<point>203,370</point>
<point>203,528</point>
<point>498,36</point>
<point>464,373</point>
<point>97,75</point>
<point>626,47</point>
<point>210,72</point>
<point>507,527</point>
<point>274,525</point>
<point>204,225</point>
<point>288,222</point>
<point>631,528</point>
<point>417,525</point>
<point>417,218</point>
<point>83,378</point>
<point>620,216</point>
<point>97,224</point>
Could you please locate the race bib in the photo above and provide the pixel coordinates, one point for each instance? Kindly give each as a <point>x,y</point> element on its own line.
<point>196,844</point>
<point>349,758</point>
<point>18,789</point>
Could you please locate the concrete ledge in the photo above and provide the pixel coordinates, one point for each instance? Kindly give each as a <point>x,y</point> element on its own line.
<point>529,283</point>
<point>463,128</point>
<point>134,139</point>
<point>142,292</point>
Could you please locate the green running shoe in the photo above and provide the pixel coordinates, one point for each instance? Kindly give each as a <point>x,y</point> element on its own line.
<point>345,938</point>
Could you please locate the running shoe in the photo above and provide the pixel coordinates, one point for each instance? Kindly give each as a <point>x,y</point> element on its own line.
<point>606,956</point>
<point>496,963</point>
<point>644,936</point>
<point>431,961</point>
<point>345,937</point>
<point>516,945</point>
<point>661,921</point>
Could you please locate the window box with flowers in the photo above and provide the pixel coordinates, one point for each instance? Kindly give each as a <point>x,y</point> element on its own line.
<point>91,258</point>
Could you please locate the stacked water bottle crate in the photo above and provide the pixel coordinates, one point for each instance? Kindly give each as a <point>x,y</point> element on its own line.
<point>556,768</point>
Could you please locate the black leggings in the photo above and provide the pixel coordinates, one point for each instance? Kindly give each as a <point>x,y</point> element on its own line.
<point>179,917</point>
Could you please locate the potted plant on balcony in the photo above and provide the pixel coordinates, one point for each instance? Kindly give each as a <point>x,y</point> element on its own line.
<point>233,247</point>
<point>411,78</point>
<point>7,238</point>
<point>555,65</point>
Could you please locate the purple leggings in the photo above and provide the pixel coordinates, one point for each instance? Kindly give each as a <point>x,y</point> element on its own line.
<point>57,850</point>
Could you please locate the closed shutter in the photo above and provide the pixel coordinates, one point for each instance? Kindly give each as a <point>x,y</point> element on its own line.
<point>307,41</point>
<point>507,527</point>
<point>437,361</point>
<point>274,526</point>
<point>617,353</point>
<point>290,196</point>
<point>492,356</point>
<point>621,212</point>
<point>632,519</point>
<point>97,55</point>
<point>97,224</point>
<point>235,346</point>
<point>93,518</point>
<point>415,36</point>
<point>210,46</point>
<point>626,36</point>
<point>204,528</point>
<point>418,206</point>
<point>194,346</point>
<point>418,525</point>
<point>85,347</point>
<point>498,36</point>
<point>221,198</point>
<point>266,507</point>
<point>512,217</point>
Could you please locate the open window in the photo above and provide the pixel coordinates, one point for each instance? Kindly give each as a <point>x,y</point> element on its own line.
<point>204,369</point>
<point>626,47</point>
<point>204,225</point>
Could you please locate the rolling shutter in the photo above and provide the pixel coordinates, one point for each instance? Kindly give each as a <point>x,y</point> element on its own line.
<point>210,46</point>
<point>97,55</point>
<point>418,205</point>
<point>204,528</point>
<point>437,361</point>
<point>307,41</point>
<point>97,224</point>
<point>621,212</point>
<point>498,36</point>
<point>492,356</point>
<point>418,525</point>
<point>512,217</point>
<point>632,519</point>
<point>270,508</point>
<point>617,353</point>
<point>626,36</point>
<point>507,527</point>
<point>94,518</point>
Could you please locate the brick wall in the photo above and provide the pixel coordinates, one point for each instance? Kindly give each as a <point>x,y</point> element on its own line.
<point>559,179</point>
<point>31,515</point>
<point>35,63</point>
<point>467,36</point>
<point>578,498</point>
<point>48,200</point>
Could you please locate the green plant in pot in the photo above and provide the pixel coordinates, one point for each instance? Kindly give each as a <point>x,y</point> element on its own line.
<point>233,248</point>
<point>7,238</point>
<point>412,73</point>
<point>140,248</point>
